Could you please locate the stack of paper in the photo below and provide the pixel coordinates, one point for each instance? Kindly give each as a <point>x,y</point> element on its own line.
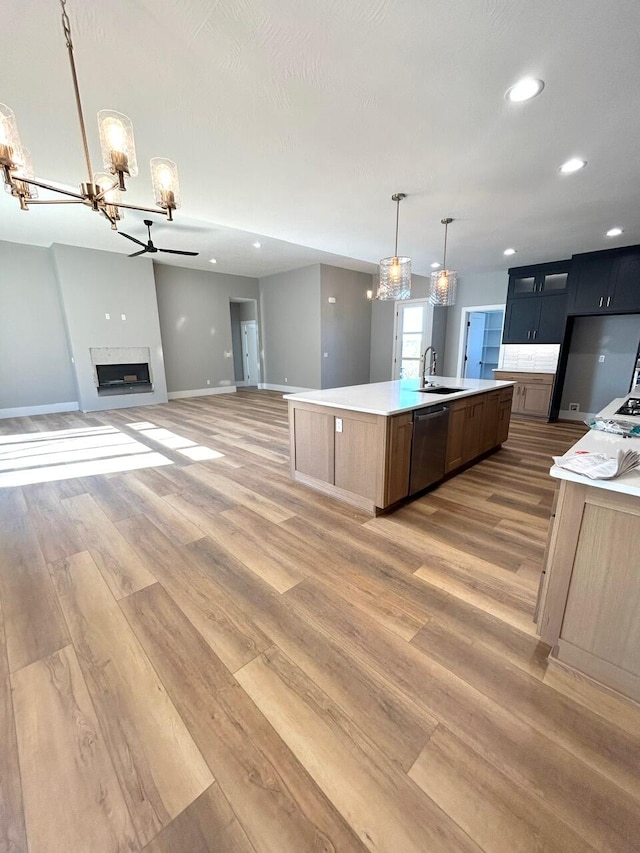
<point>599,466</point>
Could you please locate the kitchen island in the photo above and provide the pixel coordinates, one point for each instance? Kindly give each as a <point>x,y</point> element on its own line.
<point>589,605</point>
<point>359,443</point>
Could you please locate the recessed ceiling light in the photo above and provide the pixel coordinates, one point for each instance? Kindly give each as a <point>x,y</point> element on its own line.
<point>509,252</point>
<point>572,165</point>
<point>614,232</point>
<point>213,260</point>
<point>524,90</point>
<point>256,245</point>
<point>435,265</point>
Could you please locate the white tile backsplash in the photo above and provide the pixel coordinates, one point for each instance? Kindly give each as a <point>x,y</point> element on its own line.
<point>530,357</point>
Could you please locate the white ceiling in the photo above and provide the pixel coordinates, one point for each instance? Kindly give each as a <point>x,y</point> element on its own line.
<point>294,122</point>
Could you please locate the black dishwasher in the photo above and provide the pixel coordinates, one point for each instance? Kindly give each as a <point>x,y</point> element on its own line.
<point>429,448</point>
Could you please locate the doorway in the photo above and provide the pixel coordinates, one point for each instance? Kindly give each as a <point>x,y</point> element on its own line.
<point>480,341</point>
<point>413,332</point>
<point>245,341</point>
<point>250,360</point>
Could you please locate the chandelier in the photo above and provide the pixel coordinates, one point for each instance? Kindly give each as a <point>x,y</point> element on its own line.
<point>444,282</point>
<point>102,190</point>
<point>395,272</point>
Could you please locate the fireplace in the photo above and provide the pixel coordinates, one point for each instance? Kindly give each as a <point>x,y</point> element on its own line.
<point>123,378</point>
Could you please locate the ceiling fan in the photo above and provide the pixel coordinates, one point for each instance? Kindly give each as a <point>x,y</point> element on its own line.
<point>149,247</point>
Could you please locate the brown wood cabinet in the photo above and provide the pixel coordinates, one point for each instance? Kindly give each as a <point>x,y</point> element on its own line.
<point>532,392</point>
<point>365,459</point>
<point>590,599</point>
<point>399,457</point>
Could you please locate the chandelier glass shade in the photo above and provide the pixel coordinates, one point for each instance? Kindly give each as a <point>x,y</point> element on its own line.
<point>102,192</point>
<point>395,272</point>
<point>443,283</point>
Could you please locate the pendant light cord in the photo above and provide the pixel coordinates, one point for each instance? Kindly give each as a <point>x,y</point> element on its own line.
<point>66,26</point>
<point>397,223</point>
<point>444,259</point>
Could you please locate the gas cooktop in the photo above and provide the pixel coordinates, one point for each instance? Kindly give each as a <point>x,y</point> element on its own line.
<point>631,407</point>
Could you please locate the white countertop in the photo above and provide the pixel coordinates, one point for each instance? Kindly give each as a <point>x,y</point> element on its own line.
<point>596,441</point>
<point>392,398</point>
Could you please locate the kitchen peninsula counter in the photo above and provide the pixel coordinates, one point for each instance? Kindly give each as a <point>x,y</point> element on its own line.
<point>355,443</point>
<point>589,604</point>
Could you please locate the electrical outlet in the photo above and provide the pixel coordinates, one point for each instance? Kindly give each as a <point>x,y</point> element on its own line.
<point>338,424</point>
<point>208,382</point>
<point>574,407</point>
<point>285,379</point>
<point>600,358</point>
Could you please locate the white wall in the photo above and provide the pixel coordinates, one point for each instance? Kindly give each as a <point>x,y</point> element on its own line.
<point>35,361</point>
<point>92,284</point>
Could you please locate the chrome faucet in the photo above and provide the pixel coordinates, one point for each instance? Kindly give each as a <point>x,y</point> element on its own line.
<point>423,365</point>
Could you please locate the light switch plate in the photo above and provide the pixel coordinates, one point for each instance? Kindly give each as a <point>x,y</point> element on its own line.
<point>338,424</point>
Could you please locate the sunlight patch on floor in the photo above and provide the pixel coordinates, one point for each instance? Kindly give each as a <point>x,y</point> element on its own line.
<point>173,441</point>
<point>62,454</point>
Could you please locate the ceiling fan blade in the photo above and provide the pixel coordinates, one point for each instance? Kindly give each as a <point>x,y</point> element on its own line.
<point>177,252</point>
<point>135,254</point>
<point>129,237</point>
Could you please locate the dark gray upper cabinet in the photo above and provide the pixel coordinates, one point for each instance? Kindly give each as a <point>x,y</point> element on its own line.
<point>541,279</point>
<point>605,282</point>
<point>536,304</point>
<point>540,320</point>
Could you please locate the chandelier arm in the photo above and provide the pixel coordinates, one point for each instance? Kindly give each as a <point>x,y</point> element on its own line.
<point>66,26</point>
<point>44,186</point>
<point>100,195</point>
<point>55,201</point>
<point>135,207</point>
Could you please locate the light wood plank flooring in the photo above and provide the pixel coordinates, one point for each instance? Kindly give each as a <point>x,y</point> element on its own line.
<point>204,656</point>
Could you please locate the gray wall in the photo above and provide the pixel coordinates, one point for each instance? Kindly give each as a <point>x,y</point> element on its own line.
<point>591,383</point>
<point>290,328</point>
<point>345,327</point>
<point>94,283</point>
<point>35,361</point>
<point>485,288</point>
<point>195,320</point>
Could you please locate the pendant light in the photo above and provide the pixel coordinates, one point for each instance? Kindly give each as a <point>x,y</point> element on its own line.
<point>395,272</point>
<point>444,282</point>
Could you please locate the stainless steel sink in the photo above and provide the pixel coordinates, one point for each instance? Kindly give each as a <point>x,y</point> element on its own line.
<point>440,389</point>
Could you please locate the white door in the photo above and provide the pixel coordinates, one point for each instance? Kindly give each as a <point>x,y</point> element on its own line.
<point>250,361</point>
<point>413,331</point>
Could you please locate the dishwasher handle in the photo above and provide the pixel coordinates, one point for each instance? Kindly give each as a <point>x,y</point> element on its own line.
<point>429,415</point>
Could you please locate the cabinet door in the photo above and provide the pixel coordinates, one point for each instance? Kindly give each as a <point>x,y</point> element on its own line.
<point>590,284</point>
<point>356,462</point>
<point>398,457</point>
<point>455,436</point>
<point>313,448</point>
<point>490,421</point>
<point>523,284</point>
<point>551,321</point>
<point>625,294</point>
<point>553,282</point>
<point>535,399</point>
<point>504,419</point>
<point>472,445</point>
<point>521,320</point>
<point>517,397</point>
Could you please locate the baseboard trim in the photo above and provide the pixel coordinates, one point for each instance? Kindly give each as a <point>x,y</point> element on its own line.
<point>48,409</point>
<point>201,392</point>
<point>286,389</point>
<point>570,415</point>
